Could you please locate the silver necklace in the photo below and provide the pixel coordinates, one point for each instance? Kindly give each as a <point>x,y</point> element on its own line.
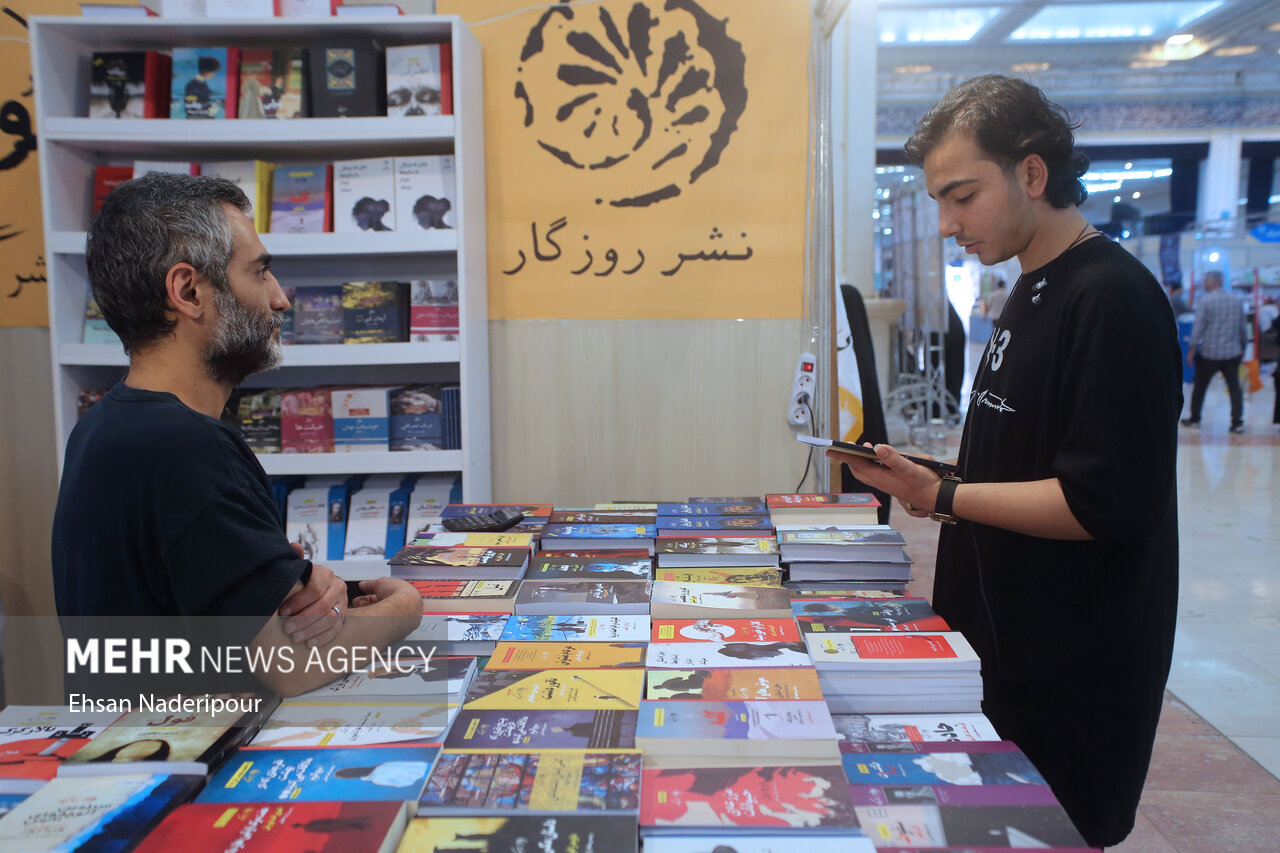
<point>1037,297</point>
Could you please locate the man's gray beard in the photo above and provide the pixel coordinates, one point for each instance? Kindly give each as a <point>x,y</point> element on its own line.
<point>243,342</point>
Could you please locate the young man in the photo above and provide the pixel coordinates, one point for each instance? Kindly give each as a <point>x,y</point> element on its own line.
<point>1217,345</point>
<point>165,520</point>
<point>1061,566</point>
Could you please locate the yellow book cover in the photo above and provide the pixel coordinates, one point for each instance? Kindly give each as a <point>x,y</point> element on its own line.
<point>737,575</point>
<point>476,540</point>
<point>587,690</point>
<point>566,655</point>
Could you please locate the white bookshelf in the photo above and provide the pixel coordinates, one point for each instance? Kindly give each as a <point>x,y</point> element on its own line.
<point>72,146</point>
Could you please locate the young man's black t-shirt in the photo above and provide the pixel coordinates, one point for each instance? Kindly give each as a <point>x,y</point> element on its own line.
<point>166,522</point>
<point>1084,385</point>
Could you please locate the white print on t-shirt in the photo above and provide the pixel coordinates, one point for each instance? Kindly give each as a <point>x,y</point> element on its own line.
<point>999,340</point>
<point>991,401</point>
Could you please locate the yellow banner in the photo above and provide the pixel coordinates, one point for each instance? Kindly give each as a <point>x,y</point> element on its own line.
<point>644,158</point>
<point>23,297</point>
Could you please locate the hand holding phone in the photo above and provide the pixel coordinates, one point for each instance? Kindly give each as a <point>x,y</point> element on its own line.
<point>870,454</point>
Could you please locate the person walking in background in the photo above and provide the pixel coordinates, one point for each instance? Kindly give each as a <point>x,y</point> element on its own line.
<point>994,301</point>
<point>1217,345</point>
<point>1176,301</point>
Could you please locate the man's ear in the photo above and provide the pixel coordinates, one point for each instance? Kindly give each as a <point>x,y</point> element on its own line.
<point>183,293</point>
<point>1033,175</point>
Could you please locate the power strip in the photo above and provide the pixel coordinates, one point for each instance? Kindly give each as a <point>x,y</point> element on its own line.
<point>802,386</point>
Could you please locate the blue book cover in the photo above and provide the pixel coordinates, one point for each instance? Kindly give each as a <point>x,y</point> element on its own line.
<point>732,508</point>
<point>626,629</point>
<point>416,420</point>
<point>338,496</point>
<point>714,522</point>
<point>398,517</point>
<point>352,774</point>
<point>199,88</point>
<point>941,768</point>
<point>599,531</point>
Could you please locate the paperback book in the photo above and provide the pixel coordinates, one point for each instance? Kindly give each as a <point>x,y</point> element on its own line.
<point>723,630</point>
<point>205,83</point>
<point>538,783</point>
<point>300,201</point>
<point>702,600</point>
<point>364,192</point>
<point>704,551</point>
<point>347,774</point>
<point>588,598</point>
<point>563,833</point>
<point>558,565</point>
<point>466,596</point>
<point>375,312</point>
<point>352,722</point>
<point>868,542</point>
<point>433,310</point>
<point>584,690</point>
<point>868,615</point>
<point>426,196</point>
<point>318,315</point>
<point>718,685</point>
<point>776,797</point>
<point>874,732</point>
<point>129,84</point>
<point>538,731</point>
<point>731,729</point>
<point>859,508</point>
<point>713,509</point>
<point>569,537</point>
<point>724,655</point>
<point>36,740</point>
<point>416,80</point>
<point>618,629</point>
<point>734,576</point>
<point>564,656</point>
<point>416,418</point>
<point>268,827</point>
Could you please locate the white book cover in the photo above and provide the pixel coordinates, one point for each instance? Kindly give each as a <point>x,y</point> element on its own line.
<point>426,194</point>
<point>305,9</point>
<point>52,716</point>
<point>180,8</point>
<point>363,195</point>
<point>240,8</point>
<point>367,524</point>
<point>362,420</point>
<point>939,651</point>
<point>402,677</point>
<point>459,628</point>
<point>431,494</point>
<point>242,173</point>
<point>307,521</point>
<point>178,167</point>
<point>725,655</point>
<point>66,808</point>
<point>354,724</point>
<point>414,80</point>
<point>893,728</point>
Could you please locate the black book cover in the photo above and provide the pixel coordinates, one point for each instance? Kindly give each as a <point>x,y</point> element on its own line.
<point>346,79</point>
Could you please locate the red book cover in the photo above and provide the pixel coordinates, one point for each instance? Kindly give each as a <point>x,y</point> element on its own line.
<point>104,179</point>
<point>446,79</point>
<point>906,646</point>
<point>157,78</point>
<point>776,797</point>
<point>265,827</point>
<point>233,82</point>
<point>722,630</point>
<point>328,199</point>
<point>306,421</point>
<point>851,500</point>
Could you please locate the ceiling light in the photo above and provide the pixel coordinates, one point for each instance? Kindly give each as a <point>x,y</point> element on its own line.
<point>1137,195</point>
<point>1128,165</point>
<point>1148,63</point>
<point>1180,39</point>
<point>1029,66</point>
<point>1238,50</point>
<point>1115,200</point>
<point>912,69</point>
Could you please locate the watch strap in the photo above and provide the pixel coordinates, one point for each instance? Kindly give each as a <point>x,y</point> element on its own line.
<point>942,506</point>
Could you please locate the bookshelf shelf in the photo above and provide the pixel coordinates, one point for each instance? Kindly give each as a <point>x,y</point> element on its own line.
<point>73,146</point>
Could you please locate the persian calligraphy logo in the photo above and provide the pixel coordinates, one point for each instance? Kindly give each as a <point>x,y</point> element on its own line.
<point>650,97</point>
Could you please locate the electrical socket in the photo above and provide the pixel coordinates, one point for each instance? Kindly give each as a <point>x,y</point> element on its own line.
<point>802,386</point>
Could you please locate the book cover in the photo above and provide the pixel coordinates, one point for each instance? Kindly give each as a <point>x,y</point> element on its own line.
<point>621,629</point>
<point>585,690</point>
<point>318,315</point>
<point>204,83</point>
<point>374,312</point>
<point>103,813</point>
<point>535,782</point>
<point>975,768</point>
<point>553,532</point>
<point>535,731</point>
<point>872,732</point>
<point>705,508</point>
<point>416,418</point>
<point>363,193</point>
<point>354,774</point>
<point>569,596</point>
<point>778,797</point>
<point>853,616</point>
<point>458,510</point>
<point>306,421</point>
<point>269,827</point>
<point>299,199</point>
<point>255,83</point>
<point>724,630</point>
<point>459,628</point>
<point>466,596</point>
<point>557,565</point>
<point>733,575</point>
<point>874,534</point>
<point>367,518</point>
<point>361,420</point>
<point>714,522</point>
<point>577,655</point>
<point>431,494</point>
<point>987,827</point>
<point>589,516</point>
<point>566,833</point>
<point>426,196</point>
<point>476,540</point>
<point>405,676</point>
<point>307,521</point>
<point>878,651</point>
<point>32,751</point>
<point>723,655</point>
<point>718,685</point>
<point>687,721</point>
<point>96,330</point>
<point>460,556</point>
<point>105,179</point>
<point>346,80</point>
<point>260,421</point>
<point>242,173</point>
<point>414,80</point>
<point>271,83</point>
<point>433,310</point>
<point>356,722</point>
<point>834,501</point>
<point>693,600</point>
<point>129,84</point>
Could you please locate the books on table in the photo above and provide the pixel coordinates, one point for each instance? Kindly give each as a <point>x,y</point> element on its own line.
<point>558,565</point>
<point>706,550</point>
<point>864,732</point>
<point>840,544</point>
<point>602,689</point>
<point>716,630</point>
<point>571,537</point>
<point>621,629</point>
<point>356,722</point>
<point>460,561</point>
<point>575,655</point>
<point>350,774</point>
<point>732,575</point>
<point>785,509</point>
<point>464,783</point>
<point>672,600</point>
<point>36,739</point>
<point>622,598</point>
<point>796,683</point>
<point>856,616</point>
<point>477,730</point>
<point>724,655</point>
<point>375,827</point>
<point>776,729</point>
<point>466,596</point>
<point>561,833</point>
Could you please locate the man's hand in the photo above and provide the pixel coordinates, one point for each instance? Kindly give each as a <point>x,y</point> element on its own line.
<point>915,486</point>
<point>383,589</point>
<point>314,613</point>
<point>1191,357</point>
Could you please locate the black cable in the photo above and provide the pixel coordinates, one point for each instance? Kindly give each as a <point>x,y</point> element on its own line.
<point>808,462</point>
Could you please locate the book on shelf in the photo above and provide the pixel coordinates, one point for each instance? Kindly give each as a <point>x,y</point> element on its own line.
<point>426,192</point>
<point>418,81</point>
<point>205,83</point>
<point>707,550</point>
<point>451,415</point>
<point>734,575</point>
<point>571,655</point>
<point>346,79</point>
<point>353,722</point>
<point>87,398</point>
<point>191,742</point>
<point>672,600</point>
<point>867,615</point>
<point>785,729</point>
<point>361,420</point>
<point>866,542</point>
<point>562,833</point>
<point>855,508</point>
<point>433,310</point>
<point>301,200</point>
<point>363,194</point>
<point>245,174</point>
<point>725,655</point>
<point>264,76</point>
<point>778,797</point>
<point>460,561</point>
<point>563,628</point>
<point>367,519</point>
<point>240,8</point>
<point>707,508</point>
<point>556,565</point>
<point>466,596</point>
<point>318,315</point>
<point>375,827</point>
<point>888,732</point>
<point>717,630</point>
<point>588,598</point>
<point>324,774</point>
<point>129,84</point>
<point>465,783</point>
<point>306,420</point>
<point>105,179</point>
<point>96,330</point>
<point>416,418</point>
<point>177,167</point>
<point>431,494</point>
<point>307,520</point>
<point>111,812</point>
<point>375,312</point>
<point>260,420</point>
<point>718,685</point>
<point>582,689</point>
<point>538,731</point>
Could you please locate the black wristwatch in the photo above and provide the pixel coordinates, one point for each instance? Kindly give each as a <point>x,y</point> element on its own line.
<point>942,510</point>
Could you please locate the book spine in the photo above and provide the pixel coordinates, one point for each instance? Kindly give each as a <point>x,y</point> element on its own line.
<point>337,521</point>
<point>446,78</point>
<point>233,80</point>
<point>397,518</point>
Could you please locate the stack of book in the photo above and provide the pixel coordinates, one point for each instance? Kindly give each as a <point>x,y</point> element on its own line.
<point>464,556</point>
<point>712,519</point>
<point>885,672</point>
<point>834,540</point>
<point>600,530</point>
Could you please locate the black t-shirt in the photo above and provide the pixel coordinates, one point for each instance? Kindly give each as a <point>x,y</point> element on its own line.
<point>1076,638</point>
<point>165,517</point>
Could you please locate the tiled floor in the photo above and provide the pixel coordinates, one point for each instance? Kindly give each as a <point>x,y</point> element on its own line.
<point>1213,781</point>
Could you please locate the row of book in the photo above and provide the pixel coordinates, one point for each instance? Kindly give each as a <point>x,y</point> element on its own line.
<point>344,77</point>
<point>251,9</point>
<point>373,194</point>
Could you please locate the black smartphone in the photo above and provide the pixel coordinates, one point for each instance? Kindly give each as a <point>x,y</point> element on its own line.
<point>869,453</point>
